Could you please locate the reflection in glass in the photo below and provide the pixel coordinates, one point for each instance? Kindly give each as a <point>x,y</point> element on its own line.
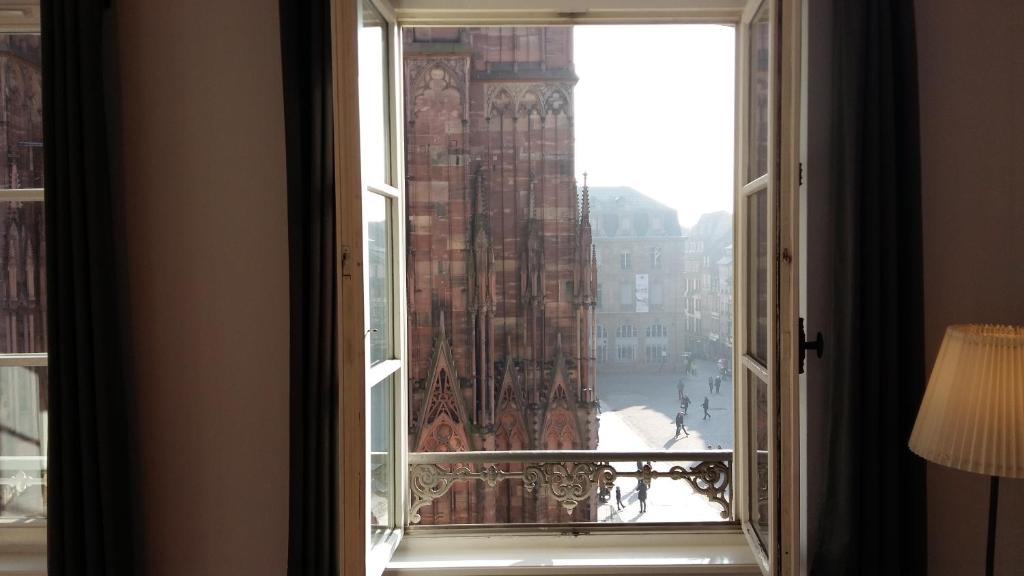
<point>759,470</point>
<point>757,275</point>
<point>381,474</point>
<point>23,441</point>
<point>380,272</point>
<point>22,278</point>
<point>759,67</point>
<point>373,95</point>
<point>21,146</point>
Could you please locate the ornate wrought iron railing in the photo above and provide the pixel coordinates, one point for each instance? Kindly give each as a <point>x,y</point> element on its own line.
<point>19,474</point>
<point>568,476</point>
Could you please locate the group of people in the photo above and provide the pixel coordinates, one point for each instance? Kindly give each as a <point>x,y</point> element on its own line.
<point>684,404</point>
<point>681,415</point>
<point>714,385</point>
<point>641,491</point>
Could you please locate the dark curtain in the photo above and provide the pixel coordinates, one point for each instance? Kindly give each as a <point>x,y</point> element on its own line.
<point>873,515</point>
<point>313,498</point>
<point>91,465</point>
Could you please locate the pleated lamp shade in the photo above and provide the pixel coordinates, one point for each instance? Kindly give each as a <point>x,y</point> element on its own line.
<point>972,415</point>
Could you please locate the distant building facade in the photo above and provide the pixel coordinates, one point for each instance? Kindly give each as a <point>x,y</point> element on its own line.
<point>502,279</point>
<point>664,294</point>
<point>707,287</point>
<point>640,315</point>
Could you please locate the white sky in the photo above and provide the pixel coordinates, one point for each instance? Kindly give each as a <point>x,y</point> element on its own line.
<point>654,111</point>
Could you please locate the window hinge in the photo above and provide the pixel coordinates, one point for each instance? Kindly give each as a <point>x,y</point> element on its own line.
<point>801,170</point>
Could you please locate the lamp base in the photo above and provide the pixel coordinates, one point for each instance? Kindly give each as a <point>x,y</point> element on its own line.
<point>993,503</point>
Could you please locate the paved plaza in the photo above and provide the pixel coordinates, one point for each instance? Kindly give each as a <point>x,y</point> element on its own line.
<point>638,412</point>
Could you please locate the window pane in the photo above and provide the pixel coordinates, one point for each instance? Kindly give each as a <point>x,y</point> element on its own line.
<point>22,278</point>
<point>757,276</point>
<point>373,96</point>
<point>23,441</point>
<point>546,311</point>
<point>380,270</point>
<point>21,140</point>
<point>382,472</point>
<point>759,456</point>
<point>757,139</point>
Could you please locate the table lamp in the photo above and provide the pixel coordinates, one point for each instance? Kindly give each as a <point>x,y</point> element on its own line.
<point>972,414</point>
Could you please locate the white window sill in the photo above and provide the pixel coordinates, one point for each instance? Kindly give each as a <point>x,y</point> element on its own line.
<point>648,552</point>
<point>22,547</point>
<point>23,564</point>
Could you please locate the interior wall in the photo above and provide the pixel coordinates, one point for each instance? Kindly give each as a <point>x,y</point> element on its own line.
<point>971,73</point>
<point>204,181</point>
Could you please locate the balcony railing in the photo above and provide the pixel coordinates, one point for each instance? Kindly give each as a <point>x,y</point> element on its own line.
<point>18,475</point>
<point>568,476</point>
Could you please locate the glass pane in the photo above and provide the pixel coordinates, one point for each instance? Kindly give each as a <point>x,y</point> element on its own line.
<point>757,121</point>
<point>381,277</point>
<point>759,469</point>
<point>382,472</point>
<point>21,140</point>
<point>23,408</point>
<point>552,309</point>
<point>22,278</point>
<point>757,275</point>
<point>373,96</point>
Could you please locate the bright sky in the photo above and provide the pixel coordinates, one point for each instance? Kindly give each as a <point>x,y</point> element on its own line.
<point>654,111</point>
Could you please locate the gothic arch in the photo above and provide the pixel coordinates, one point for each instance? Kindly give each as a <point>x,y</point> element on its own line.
<point>442,424</point>
<point>501,103</point>
<point>561,429</point>
<point>557,102</point>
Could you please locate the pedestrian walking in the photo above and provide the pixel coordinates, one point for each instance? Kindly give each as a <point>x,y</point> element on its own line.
<point>705,405</point>
<point>681,388</point>
<point>718,384</point>
<point>711,385</point>
<point>685,404</point>
<point>679,423</point>
<point>618,499</point>
<point>641,493</point>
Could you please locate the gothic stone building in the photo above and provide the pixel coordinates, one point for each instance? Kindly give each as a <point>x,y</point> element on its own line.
<point>502,278</point>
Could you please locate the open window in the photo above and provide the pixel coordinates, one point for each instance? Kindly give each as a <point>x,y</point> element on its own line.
<point>446,426</point>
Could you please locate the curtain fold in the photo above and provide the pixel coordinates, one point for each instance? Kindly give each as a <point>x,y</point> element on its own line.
<point>874,505</point>
<point>90,461</point>
<point>313,492</point>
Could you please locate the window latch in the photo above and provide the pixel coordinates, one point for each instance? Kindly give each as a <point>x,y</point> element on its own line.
<point>818,345</point>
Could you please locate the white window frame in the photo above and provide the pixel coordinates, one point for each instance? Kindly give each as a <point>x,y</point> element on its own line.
<point>539,12</point>
<point>26,536</point>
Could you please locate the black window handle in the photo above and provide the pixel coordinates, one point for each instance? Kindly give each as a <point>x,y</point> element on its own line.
<point>818,345</point>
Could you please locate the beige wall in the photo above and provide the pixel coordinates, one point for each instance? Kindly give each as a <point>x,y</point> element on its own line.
<point>203,157</point>
<point>971,66</point>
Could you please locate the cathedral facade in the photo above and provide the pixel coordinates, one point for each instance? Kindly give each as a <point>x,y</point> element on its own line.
<point>501,267</point>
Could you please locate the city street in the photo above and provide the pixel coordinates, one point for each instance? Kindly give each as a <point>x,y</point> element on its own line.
<point>638,413</point>
<point>647,402</point>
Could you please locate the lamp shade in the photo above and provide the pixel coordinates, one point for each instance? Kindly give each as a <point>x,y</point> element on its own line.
<point>972,415</point>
